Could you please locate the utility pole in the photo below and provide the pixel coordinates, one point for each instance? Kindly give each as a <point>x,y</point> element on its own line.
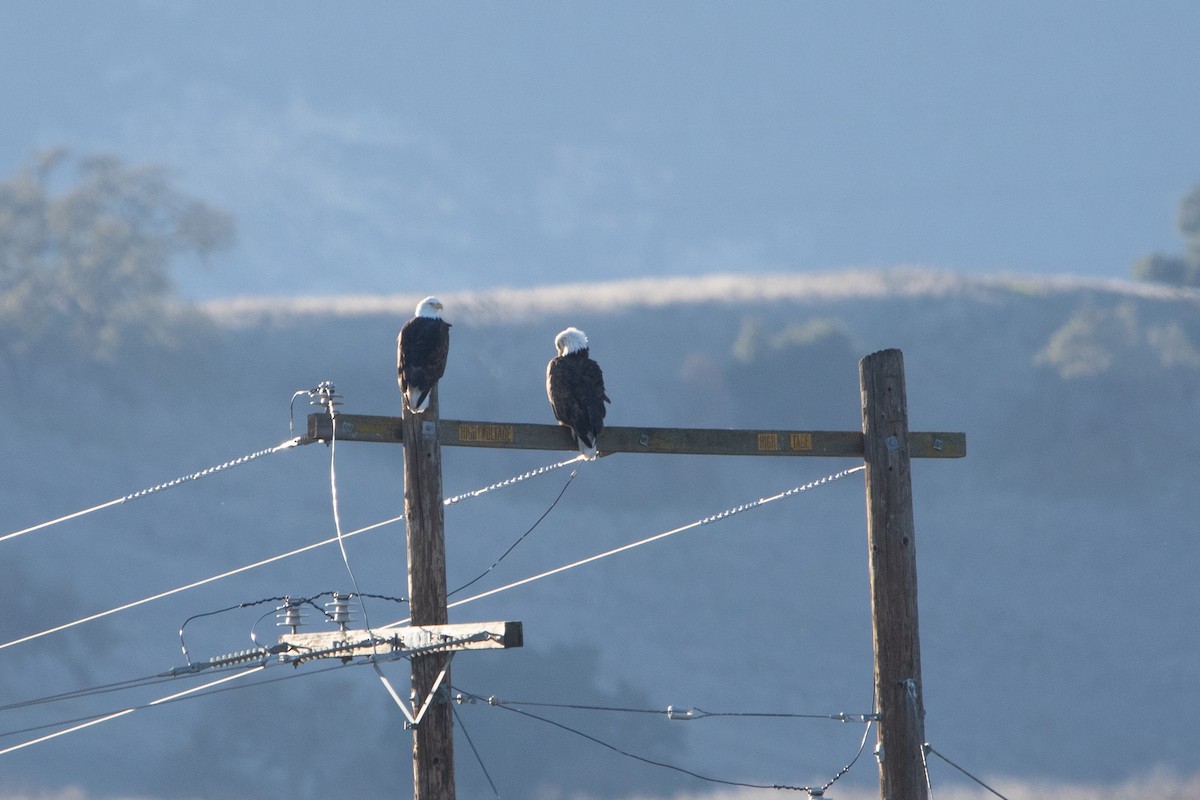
<point>893,565</point>
<point>885,444</point>
<point>433,735</point>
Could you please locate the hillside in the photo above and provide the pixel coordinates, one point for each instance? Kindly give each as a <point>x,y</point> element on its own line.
<point>1057,601</point>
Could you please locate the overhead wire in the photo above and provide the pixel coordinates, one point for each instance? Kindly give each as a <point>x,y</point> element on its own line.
<point>673,712</point>
<point>513,481</point>
<point>171,484</point>
<point>471,742</point>
<point>330,404</point>
<point>90,691</point>
<point>278,557</point>
<point>197,584</point>
<point>861,746</point>
<point>646,760</point>
<point>130,709</point>
<point>723,515</point>
<point>263,661</point>
<point>690,714</point>
<point>339,538</point>
<point>288,444</point>
<point>704,521</point>
<point>218,686</point>
<point>337,517</point>
<point>183,643</point>
<point>928,748</point>
<point>522,537</point>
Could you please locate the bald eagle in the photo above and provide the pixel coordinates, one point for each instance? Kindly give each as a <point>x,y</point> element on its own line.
<point>421,351</point>
<point>575,386</point>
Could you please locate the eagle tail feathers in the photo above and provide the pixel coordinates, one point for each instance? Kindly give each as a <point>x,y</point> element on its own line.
<point>587,446</point>
<point>420,404</point>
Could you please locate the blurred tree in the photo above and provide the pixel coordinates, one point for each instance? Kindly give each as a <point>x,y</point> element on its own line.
<point>1177,270</point>
<point>1187,223</point>
<point>86,271</point>
<point>1163,268</point>
<point>1115,341</point>
<point>809,365</point>
<point>1128,367</point>
<point>1091,342</point>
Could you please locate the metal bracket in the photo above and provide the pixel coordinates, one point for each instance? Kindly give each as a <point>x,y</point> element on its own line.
<point>413,721</point>
<point>434,691</point>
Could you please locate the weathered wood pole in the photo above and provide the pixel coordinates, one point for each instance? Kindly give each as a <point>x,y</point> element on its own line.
<point>893,566</point>
<point>433,738</point>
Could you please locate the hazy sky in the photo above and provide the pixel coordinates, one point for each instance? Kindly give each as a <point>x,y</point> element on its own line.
<point>387,147</point>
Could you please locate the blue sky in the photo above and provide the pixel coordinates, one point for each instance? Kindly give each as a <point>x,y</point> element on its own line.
<point>393,147</point>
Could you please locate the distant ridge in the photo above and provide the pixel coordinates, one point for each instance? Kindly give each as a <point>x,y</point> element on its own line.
<point>504,304</point>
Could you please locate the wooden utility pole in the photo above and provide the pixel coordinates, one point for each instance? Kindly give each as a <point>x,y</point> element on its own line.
<point>885,444</point>
<point>893,565</point>
<point>433,734</point>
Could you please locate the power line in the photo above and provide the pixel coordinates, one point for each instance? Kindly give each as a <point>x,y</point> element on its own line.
<point>812,790</point>
<point>200,690</point>
<point>290,443</point>
<point>675,712</point>
<point>475,750</point>
<point>694,712</point>
<point>330,402</point>
<point>644,759</point>
<point>123,712</point>
<point>850,765</point>
<point>212,687</point>
<point>333,539</point>
<point>649,539</point>
<point>707,520</point>
<point>270,559</point>
<point>521,538</point>
<point>929,749</point>
<point>236,607</point>
<point>513,481</point>
<point>90,691</point>
<point>337,517</point>
<point>195,584</point>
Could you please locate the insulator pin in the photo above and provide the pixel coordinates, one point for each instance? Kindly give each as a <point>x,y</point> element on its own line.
<point>289,616</point>
<point>325,396</point>
<point>339,610</point>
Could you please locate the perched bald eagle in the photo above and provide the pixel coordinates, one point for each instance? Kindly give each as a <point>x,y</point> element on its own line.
<point>421,351</point>
<point>575,386</point>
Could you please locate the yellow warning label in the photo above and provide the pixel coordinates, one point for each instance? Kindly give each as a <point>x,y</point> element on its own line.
<point>498,434</point>
<point>800,441</point>
<point>768,442</point>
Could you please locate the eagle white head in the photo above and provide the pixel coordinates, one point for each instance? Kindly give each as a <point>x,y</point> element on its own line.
<point>429,307</point>
<point>570,341</point>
